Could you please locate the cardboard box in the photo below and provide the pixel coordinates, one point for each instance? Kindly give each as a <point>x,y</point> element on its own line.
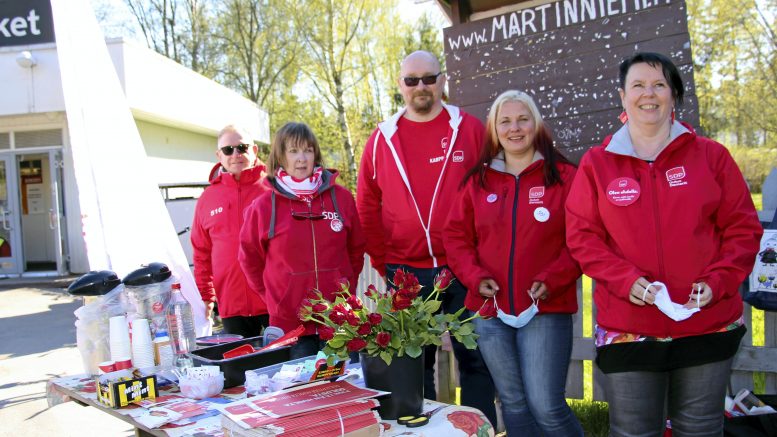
<point>116,393</point>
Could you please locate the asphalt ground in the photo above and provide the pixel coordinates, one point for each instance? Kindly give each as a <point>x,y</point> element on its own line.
<point>38,343</point>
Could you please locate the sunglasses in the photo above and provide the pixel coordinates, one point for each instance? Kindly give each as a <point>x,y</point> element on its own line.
<point>304,215</point>
<point>241,148</point>
<point>427,80</point>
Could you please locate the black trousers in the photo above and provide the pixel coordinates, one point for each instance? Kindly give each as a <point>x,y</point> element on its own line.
<point>247,326</point>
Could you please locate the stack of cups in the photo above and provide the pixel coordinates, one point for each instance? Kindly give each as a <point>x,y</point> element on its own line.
<point>142,348</point>
<point>121,350</point>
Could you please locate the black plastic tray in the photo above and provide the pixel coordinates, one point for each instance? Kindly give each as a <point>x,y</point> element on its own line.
<point>234,368</point>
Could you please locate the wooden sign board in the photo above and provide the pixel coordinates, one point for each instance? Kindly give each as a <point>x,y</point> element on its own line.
<point>565,54</point>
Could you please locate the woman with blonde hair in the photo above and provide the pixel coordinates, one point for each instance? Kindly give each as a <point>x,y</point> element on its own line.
<point>506,243</point>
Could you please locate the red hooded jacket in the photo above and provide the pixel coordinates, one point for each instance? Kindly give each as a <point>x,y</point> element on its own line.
<point>218,217</point>
<point>396,232</point>
<point>684,218</point>
<point>288,247</point>
<point>512,231</point>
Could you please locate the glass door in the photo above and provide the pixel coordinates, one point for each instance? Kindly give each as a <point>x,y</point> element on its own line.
<point>10,229</point>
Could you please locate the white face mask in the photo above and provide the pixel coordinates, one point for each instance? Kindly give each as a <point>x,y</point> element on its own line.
<point>520,320</point>
<point>674,311</point>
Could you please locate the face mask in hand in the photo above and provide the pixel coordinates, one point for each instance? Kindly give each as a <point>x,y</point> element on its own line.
<point>520,320</point>
<point>674,311</point>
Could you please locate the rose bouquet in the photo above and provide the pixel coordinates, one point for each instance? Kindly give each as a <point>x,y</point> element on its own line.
<point>403,321</point>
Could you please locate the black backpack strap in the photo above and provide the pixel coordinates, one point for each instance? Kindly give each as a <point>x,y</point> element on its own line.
<point>334,204</point>
<point>272,216</point>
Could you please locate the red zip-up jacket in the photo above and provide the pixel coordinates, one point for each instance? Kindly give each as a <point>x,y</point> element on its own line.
<point>684,218</point>
<point>512,231</point>
<point>218,217</point>
<point>395,229</point>
<point>284,256</point>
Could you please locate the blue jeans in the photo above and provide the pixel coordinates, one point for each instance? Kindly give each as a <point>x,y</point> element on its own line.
<point>529,366</point>
<point>477,388</point>
<point>692,397</point>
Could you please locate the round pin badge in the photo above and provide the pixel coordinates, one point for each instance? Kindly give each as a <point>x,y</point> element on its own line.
<point>491,198</point>
<point>623,191</point>
<point>541,214</point>
<point>336,225</point>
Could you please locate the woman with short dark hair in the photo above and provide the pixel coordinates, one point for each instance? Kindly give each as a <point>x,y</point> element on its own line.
<point>663,221</point>
<point>303,234</point>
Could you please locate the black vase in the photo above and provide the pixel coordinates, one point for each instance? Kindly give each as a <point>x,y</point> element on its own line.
<point>404,378</point>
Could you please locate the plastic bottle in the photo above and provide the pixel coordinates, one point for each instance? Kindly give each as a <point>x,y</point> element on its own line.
<point>180,324</point>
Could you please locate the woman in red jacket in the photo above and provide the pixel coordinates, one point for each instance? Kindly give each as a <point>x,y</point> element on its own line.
<point>303,234</point>
<point>663,221</point>
<point>505,241</point>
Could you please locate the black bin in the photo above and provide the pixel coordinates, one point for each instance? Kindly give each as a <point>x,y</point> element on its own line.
<point>234,368</point>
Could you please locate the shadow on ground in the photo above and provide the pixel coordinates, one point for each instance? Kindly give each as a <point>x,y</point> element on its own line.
<point>39,332</point>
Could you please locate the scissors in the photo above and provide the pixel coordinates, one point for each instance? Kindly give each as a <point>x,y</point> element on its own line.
<point>418,420</point>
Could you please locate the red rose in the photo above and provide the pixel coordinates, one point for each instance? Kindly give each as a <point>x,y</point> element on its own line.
<point>466,421</point>
<point>411,283</point>
<point>409,293</point>
<point>354,302</point>
<point>364,329</point>
<point>487,310</point>
<point>326,333</point>
<point>352,318</point>
<point>443,279</point>
<point>371,292</point>
<point>343,285</point>
<point>304,310</point>
<point>375,319</point>
<point>337,317</point>
<point>355,344</point>
<point>313,294</point>
<point>399,278</point>
<point>383,339</point>
<point>320,307</point>
<point>400,302</point>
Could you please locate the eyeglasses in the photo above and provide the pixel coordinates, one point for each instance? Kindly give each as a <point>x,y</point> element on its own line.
<point>305,215</point>
<point>427,80</point>
<point>242,148</point>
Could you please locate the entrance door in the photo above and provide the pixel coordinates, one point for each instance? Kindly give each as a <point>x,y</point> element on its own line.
<point>39,212</point>
<point>10,229</point>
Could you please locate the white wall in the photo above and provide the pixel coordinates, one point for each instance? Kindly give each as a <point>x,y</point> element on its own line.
<point>30,90</point>
<point>176,155</point>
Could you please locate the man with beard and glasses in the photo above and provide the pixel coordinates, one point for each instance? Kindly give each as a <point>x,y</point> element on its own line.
<point>411,170</point>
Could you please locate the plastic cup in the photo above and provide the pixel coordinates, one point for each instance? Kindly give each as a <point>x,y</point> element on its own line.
<point>120,350</point>
<point>119,338</point>
<point>124,363</point>
<point>141,334</point>
<point>107,366</point>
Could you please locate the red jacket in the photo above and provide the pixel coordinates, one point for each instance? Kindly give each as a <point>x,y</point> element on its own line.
<point>392,223</point>
<point>497,232</point>
<point>686,217</point>
<point>215,232</point>
<point>284,256</point>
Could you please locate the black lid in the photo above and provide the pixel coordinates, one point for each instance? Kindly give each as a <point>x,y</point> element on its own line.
<point>148,274</point>
<point>94,283</point>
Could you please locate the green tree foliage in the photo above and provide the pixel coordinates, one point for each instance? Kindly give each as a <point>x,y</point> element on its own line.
<point>179,30</point>
<point>332,64</point>
<point>735,63</point>
<point>257,45</point>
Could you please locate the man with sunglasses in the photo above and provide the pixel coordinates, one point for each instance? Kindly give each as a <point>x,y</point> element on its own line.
<point>234,184</point>
<point>411,170</point>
